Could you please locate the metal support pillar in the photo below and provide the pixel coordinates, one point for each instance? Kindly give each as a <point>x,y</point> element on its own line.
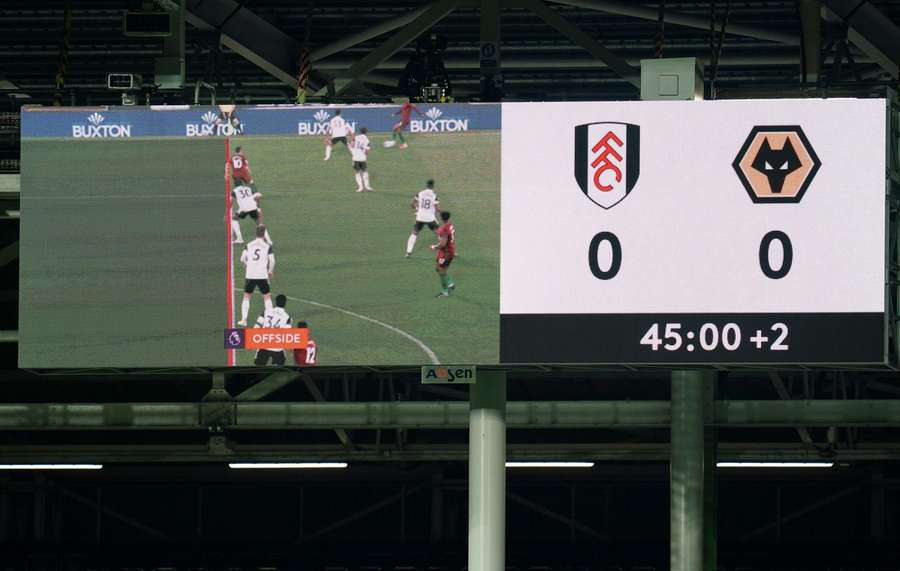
<point>811,25</point>
<point>487,473</point>
<point>710,484</point>
<point>170,68</point>
<point>686,502</point>
<point>489,54</point>
<point>217,392</point>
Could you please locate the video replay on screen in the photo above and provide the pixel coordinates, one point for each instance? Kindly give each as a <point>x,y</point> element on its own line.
<point>631,233</point>
<point>158,237</point>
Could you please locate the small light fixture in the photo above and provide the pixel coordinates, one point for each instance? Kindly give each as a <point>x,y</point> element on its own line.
<point>286,465</point>
<point>50,466</point>
<point>549,464</point>
<point>774,464</point>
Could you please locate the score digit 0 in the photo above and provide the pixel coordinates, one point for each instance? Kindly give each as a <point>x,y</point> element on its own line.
<point>616,262</point>
<point>787,258</point>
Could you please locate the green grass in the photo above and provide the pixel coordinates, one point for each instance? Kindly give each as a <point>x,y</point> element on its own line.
<point>112,274</point>
<point>336,247</point>
<point>116,274</point>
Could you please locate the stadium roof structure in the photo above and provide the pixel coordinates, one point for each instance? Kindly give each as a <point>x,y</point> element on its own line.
<point>166,437</point>
<point>549,50</point>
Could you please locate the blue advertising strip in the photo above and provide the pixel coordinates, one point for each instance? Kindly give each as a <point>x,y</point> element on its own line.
<point>230,120</point>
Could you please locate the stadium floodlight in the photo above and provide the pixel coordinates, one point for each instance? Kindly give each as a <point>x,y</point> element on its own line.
<point>549,464</point>
<point>51,466</point>
<point>285,465</point>
<point>774,464</point>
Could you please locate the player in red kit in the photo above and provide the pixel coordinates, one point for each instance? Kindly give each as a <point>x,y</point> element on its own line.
<point>240,167</point>
<point>405,112</point>
<point>446,251</point>
<point>306,356</point>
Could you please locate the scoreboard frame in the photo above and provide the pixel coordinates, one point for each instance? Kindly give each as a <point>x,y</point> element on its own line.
<point>889,342</point>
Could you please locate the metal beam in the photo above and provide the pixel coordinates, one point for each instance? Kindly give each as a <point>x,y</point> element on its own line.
<point>783,394</point>
<point>636,10</point>
<point>568,61</point>
<point>575,524</point>
<point>362,513</point>
<point>9,253</point>
<point>109,512</point>
<point>411,31</point>
<point>452,414</point>
<point>624,452</point>
<point>445,415</point>
<point>248,35</point>
<point>342,44</point>
<point>268,385</point>
<point>106,415</point>
<point>871,31</point>
<point>802,512</point>
<point>313,389</point>
<point>630,74</point>
<point>808,413</point>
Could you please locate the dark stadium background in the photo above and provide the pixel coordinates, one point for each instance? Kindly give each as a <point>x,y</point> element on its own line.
<point>165,498</point>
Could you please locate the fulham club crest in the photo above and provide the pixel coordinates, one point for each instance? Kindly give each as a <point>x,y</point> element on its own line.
<point>607,160</point>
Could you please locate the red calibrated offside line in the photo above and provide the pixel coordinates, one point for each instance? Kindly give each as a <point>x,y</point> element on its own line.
<point>229,271</point>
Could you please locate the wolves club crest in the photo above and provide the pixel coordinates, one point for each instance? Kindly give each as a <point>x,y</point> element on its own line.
<point>776,164</point>
<point>607,160</point>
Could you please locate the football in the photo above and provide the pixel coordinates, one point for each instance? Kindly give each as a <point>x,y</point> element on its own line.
<point>389,144</point>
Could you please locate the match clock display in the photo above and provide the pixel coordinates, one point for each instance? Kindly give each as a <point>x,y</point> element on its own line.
<point>694,232</point>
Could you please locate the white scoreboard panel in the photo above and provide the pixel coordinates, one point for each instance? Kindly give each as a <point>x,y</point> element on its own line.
<point>694,232</point>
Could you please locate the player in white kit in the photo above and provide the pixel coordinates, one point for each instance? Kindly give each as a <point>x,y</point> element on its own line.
<point>274,318</point>
<point>359,149</point>
<point>340,131</point>
<point>259,259</point>
<point>245,199</point>
<point>427,207</point>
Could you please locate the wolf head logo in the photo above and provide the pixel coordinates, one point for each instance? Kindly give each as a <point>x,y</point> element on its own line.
<point>776,164</point>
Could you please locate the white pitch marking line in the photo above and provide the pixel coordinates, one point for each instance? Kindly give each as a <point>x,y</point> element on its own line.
<point>425,348</point>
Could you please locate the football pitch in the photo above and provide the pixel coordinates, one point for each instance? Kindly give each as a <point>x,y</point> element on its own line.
<point>340,254</point>
<point>122,253</point>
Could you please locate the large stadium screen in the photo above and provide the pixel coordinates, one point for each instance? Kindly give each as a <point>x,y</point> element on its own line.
<point>635,233</point>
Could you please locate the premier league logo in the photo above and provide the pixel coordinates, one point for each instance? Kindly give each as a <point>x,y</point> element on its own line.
<point>234,338</point>
<point>607,161</point>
